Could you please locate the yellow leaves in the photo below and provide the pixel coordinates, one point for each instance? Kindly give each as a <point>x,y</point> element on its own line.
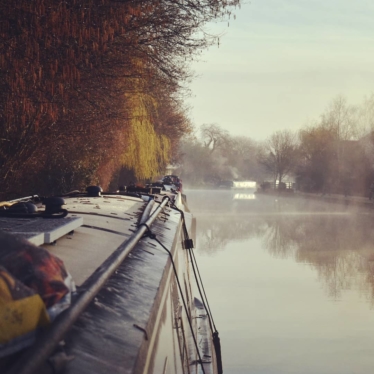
<point>146,152</point>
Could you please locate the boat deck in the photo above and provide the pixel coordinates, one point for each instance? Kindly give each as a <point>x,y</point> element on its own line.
<point>107,222</point>
<point>125,327</point>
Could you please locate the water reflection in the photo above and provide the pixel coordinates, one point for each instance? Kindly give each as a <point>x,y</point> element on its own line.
<point>336,241</point>
<point>289,282</point>
<point>244,196</point>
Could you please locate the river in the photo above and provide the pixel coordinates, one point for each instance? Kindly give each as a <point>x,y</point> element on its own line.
<point>290,282</point>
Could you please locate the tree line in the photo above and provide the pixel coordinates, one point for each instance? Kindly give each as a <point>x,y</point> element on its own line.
<point>90,88</point>
<point>213,155</point>
<point>334,154</point>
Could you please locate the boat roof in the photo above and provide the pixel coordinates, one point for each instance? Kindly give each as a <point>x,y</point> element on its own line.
<point>117,332</point>
<point>105,338</point>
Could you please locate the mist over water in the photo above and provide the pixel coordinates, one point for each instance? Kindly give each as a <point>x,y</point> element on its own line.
<point>290,282</point>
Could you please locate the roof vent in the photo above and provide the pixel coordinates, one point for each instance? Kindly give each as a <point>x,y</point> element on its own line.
<point>40,230</point>
<point>53,204</point>
<point>94,191</point>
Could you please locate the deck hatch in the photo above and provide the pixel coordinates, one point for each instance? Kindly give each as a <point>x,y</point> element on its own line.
<point>40,230</point>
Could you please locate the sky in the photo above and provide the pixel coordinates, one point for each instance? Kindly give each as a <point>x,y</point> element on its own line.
<point>281,63</point>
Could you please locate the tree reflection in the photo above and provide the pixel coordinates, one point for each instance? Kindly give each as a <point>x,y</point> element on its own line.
<point>216,231</point>
<point>337,244</point>
<point>279,236</point>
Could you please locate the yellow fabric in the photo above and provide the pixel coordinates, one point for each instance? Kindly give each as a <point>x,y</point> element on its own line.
<point>18,317</point>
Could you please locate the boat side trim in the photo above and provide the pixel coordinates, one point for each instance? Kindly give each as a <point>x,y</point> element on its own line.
<point>161,303</point>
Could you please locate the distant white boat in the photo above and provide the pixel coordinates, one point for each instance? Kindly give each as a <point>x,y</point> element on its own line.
<point>244,184</point>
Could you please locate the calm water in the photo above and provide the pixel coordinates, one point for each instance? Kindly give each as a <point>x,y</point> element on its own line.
<point>290,282</point>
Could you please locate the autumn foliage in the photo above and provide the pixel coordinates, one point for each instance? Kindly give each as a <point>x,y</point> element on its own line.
<point>89,86</point>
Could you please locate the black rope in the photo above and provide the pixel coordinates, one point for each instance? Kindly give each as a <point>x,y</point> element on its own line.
<point>193,259</point>
<point>197,277</point>
<point>215,334</point>
<point>210,319</point>
<point>151,235</point>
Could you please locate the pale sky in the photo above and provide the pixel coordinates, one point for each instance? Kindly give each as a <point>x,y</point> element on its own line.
<point>281,62</point>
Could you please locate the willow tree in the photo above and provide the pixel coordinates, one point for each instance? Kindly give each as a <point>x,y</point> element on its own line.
<point>146,152</point>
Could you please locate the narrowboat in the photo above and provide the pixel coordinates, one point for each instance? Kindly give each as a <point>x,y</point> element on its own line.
<point>109,283</point>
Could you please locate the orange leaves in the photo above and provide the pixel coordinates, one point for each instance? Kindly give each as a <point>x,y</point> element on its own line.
<point>52,71</point>
<point>47,41</point>
<point>77,76</point>
<point>35,77</point>
<point>54,16</point>
<point>70,54</point>
<point>61,88</point>
<point>41,9</point>
<point>69,64</point>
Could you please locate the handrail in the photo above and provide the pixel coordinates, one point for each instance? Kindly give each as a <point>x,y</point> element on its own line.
<point>9,203</point>
<point>44,346</point>
<point>147,212</point>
